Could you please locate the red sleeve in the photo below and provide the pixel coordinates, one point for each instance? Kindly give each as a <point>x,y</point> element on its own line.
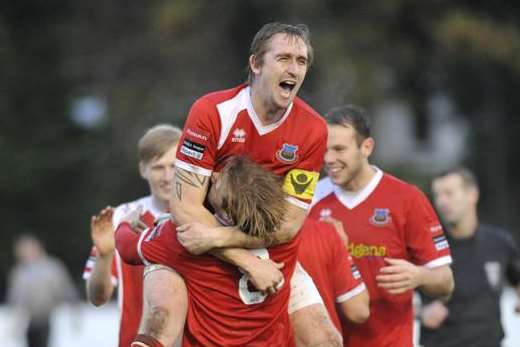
<point>160,246</point>
<point>312,159</point>
<point>346,278</point>
<point>300,183</point>
<point>126,244</point>
<point>424,234</point>
<point>198,144</point>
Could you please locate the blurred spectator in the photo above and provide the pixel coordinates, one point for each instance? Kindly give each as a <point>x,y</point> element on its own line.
<point>483,257</point>
<point>36,285</point>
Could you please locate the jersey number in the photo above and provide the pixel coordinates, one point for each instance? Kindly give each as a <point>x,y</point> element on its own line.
<point>252,297</point>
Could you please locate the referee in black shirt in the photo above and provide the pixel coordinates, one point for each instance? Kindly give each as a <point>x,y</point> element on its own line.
<point>483,257</point>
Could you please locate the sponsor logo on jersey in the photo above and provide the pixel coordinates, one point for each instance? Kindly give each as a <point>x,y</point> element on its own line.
<point>325,213</point>
<point>493,271</point>
<point>380,217</point>
<point>435,228</point>
<point>355,272</point>
<point>239,135</point>
<point>198,134</point>
<point>192,149</point>
<point>360,250</point>
<point>301,183</point>
<point>287,153</point>
<point>440,242</point>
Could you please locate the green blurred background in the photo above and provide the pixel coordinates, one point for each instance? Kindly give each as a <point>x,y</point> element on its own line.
<point>81,80</point>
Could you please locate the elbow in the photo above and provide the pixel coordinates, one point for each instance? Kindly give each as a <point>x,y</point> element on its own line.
<point>290,229</point>
<point>97,300</point>
<point>450,287</point>
<point>360,315</point>
<point>183,213</point>
<point>449,283</point>
<point>96,295</point>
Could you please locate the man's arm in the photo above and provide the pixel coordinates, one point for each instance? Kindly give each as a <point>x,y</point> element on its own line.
<point>357,308</point>
<point>99,285</point>
<point>400,276</point>
<point>199,229</point>
<point>187,206</point>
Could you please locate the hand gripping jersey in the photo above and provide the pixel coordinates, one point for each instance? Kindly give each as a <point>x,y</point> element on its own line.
<point>128,278</point>
<point>224,309</point>
<point>325,258</point>
<point>224,124</point>
<point>388,218</point>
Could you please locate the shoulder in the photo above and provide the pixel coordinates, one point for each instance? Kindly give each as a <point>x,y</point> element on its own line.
<point>306,113</point>
<point>56,264</point>
<point>123,209</point>
<point>212,99</point>
<point>324,189</point>
<point>400,188</point>
<point>501,235</point>
<point>320,233</point>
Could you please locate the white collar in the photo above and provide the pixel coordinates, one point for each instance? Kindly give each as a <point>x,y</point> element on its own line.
<point>263,129</point>
<point>353,199</point>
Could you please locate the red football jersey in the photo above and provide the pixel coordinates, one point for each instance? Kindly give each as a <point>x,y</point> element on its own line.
<point>325,258</point>
<point>388,218</point>
<point>129,279</point>
<point>223,308</point>
<point>223,124</point>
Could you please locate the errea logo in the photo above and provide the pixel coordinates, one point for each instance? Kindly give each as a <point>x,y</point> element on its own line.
<point>239,135</point>
<point>325,213</point>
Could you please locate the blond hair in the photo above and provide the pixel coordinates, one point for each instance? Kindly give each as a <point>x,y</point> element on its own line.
<point>255,200</point>
<point>157,141</point>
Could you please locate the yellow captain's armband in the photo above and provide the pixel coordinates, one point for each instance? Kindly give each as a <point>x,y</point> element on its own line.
<point>301,183</point>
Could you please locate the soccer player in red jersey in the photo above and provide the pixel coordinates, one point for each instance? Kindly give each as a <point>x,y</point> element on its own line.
<point>104,269</point>
<point>324,255</point>
<point>223,309</point>
<point>264,120</point>
<point>394,235</point>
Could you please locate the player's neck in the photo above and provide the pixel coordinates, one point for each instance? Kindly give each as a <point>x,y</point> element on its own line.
<point>160,204</point>
<point>466,227</point>
<point>266,112</point>
<point>361,180</point>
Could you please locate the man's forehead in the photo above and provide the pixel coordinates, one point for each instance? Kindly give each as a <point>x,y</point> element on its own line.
<point>283,42</point>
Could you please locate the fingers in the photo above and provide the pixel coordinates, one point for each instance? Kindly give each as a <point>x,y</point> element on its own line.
<point>392,278</point>
<point>183,227</point>
<point>279,266</point>
<point>395,261</point>
<point>274,288</point>
<point>395,285</point>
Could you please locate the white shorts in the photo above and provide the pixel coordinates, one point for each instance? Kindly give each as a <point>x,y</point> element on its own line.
<point>303,290</point>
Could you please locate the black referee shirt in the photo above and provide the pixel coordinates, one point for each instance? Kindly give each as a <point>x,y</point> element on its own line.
<point>480,266</point>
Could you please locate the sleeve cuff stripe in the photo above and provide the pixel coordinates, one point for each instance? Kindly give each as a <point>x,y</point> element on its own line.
<point>445,260</point>
<point>298,203</point>
<point>351,293</point>
<point>192,168</point>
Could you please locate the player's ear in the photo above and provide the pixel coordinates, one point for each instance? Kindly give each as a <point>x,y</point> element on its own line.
<point>143,170</point>
<point>473,194</point>
<point>254,64</point>
<point>367,146</point>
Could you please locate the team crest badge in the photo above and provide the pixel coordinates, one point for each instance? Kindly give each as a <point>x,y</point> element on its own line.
<point>381,217</point>
<point>325,213</point>
<point>287,153</point>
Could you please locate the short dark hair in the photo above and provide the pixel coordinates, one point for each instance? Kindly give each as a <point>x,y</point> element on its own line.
<point>468,177</point>
<point>262,38</point>
<point>351,115</point>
